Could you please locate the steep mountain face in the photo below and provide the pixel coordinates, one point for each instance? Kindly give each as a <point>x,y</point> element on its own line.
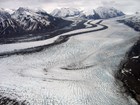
<point>105,13</point>
<point>4,15</point>
<point>132,21</point>
<point>27,21</point>
<point>7,24</point>
<point>67,12</point>
<point>34,20</point>
<point>30,20</point>
<point>130,70</point>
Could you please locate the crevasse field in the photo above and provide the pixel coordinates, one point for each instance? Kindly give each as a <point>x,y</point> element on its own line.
<point>77,72</point>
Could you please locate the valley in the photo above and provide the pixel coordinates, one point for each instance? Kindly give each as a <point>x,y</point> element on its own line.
<point>76,64</point>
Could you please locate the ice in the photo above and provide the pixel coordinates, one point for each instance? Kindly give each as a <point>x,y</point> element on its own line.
<point>40,78</point>
<point>24,45</point>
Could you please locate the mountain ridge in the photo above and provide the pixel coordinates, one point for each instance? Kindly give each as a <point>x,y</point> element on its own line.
<point>27,21</point>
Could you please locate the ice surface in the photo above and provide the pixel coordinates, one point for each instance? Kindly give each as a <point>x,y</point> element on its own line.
<point>40,78</point>
<point>18,46</point>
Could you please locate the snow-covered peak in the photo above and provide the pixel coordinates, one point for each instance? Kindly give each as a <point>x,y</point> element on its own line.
<point>88,12</point>
<point>30,19</point>
<point>39,10</point>
<point>25,20</point>
<point>103,13</point>
<point>108,12</point>
<point>26,12</point>
<point>4,14</point>
<point>10,11</point>
<point>23,11</point>
<point>66,12</point>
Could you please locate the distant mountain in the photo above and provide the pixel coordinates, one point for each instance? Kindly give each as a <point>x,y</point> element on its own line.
<point>10,11</point>
<point>99,13</point>
<point>26,21</point>
<point>67,12</point>
<point>104,13</point>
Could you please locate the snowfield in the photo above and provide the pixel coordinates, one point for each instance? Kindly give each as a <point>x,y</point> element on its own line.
<point>77,72</point>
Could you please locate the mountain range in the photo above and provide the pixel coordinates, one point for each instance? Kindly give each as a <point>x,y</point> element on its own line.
<point>28,21</point>
<point>98,13</point>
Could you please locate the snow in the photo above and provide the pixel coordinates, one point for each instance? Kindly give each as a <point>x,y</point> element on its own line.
<point>108,12</point>
<point>25,45</point>
<point>88,12</point>
<point>26,16</point>
<point>133,18</point>
<point>132,21</point>
<point>135,57</point>
<point>4,15</point>
<point>66,12</point>
<point>103,13</point>
<point>10,11</point>
<point>40,79</point>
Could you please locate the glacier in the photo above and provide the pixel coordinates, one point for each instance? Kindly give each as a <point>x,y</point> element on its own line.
<point>91,59</point>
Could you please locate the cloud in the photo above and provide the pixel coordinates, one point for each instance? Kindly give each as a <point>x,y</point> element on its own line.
<point>128,6</point>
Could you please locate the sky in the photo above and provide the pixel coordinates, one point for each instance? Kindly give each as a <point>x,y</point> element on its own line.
<point>127,6</point>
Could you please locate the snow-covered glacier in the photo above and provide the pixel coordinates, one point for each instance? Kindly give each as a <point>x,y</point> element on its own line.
<point>80,71</point>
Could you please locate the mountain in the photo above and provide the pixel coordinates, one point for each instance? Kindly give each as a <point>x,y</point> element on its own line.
<point>129,72</point>
<point>7,24</point>
<point>104,13</point>
<point>67,12</point>
<point>10,11</point>
<point>132,21</point>
<point>35,20</point>
<point>4,14</point>
<point>99,13</point>
<point>28,21</point>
